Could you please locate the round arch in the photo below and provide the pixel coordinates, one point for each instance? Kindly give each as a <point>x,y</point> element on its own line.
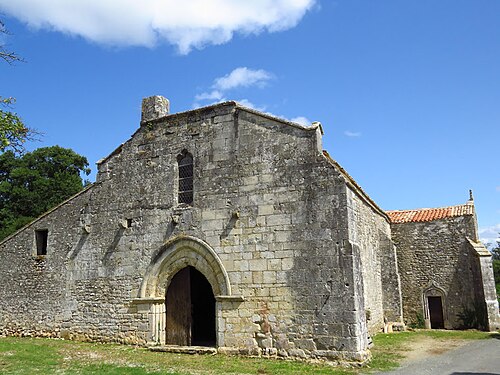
<point>178,253</point>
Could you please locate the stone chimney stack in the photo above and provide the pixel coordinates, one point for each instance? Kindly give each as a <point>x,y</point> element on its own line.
<point>154,107</point>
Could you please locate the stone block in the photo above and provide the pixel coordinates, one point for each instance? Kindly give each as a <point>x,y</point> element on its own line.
<point>267,209</point>
<point>269,277</point>
<point>257,264</point>
<point>278,220</point>
<point>223,118</point>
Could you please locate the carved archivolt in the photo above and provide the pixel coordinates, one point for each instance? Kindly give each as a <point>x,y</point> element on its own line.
<point>180,252</point>
<point>434,290</point>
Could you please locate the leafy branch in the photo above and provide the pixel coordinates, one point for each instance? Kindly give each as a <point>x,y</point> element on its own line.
<point>13,132</point>
<point>8,56</point>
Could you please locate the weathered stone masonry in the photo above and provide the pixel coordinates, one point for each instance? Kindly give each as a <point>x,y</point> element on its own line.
<point>299,259</point>
<point>440,257</point>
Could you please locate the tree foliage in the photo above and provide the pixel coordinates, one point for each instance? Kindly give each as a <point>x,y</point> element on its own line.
<point>13,132</point>
<point>6,55</point>
<point>35,182</point>
<point>496,267</point>
<point>496,252</point>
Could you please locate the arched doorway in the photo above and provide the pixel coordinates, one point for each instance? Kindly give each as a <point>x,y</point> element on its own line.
<point>436,315</point>
<point>190,309</point>
<point>434,298</point>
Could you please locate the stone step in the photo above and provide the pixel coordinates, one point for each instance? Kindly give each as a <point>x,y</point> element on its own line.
<point>183,349</point>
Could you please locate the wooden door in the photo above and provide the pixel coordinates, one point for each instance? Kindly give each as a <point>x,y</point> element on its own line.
<point>436,312</point>
<point>178,306</point>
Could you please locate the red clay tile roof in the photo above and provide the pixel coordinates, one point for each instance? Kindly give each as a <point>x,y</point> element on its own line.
<point>429,214</point>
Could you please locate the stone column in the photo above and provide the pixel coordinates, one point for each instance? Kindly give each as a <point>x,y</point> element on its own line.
<point>155,309</point>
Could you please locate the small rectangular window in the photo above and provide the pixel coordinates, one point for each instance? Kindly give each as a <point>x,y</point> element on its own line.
<point>41,237</point>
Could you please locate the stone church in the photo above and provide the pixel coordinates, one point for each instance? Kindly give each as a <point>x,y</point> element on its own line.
<point>229,228</point>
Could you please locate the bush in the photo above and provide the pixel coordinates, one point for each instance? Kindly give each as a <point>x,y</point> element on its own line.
<point>418,322</point>
<point>473,316</point>
<point>496,272</point>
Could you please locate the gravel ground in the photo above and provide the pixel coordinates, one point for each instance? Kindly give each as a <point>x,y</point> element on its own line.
<point>479,357</point>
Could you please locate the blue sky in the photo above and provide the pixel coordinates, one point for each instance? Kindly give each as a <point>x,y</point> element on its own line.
<point>408,91</point>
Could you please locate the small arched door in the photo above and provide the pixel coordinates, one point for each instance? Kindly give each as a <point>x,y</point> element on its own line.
<point>190,309</point>
<point>434,307</point>
<point>436,315</point>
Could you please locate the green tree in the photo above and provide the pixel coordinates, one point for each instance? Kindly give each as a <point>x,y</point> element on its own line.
<point>13,132</point>
<point>496,267</point>
<point>35,182</point>
<point>496,251</point>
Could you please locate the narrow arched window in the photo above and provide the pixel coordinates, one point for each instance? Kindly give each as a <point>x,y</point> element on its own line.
<point>185,161</point>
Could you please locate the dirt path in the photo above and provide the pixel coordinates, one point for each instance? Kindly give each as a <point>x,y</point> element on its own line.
<point>470,357</point>
<point>425,347</point>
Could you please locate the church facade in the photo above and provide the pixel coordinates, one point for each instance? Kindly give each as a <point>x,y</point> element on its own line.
<point>229,228</point>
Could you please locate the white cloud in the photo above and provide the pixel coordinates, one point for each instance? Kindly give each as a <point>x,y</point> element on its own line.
<point>490,235</point>
<point>239,77</point>
<point>304,121</point>
<point>242,77</point>
<point>212,95</point>
<point>352,134</point>
<point>186,24</point>
<point>249,104</point>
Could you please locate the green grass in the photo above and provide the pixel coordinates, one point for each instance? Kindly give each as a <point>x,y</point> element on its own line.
<point>459,335</point>
<point>46,356</point>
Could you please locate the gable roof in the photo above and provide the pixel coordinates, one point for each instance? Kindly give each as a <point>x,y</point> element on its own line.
<point>213,107</point>
<point>429,214</point>
<point>355,187</point>
<point>81,192</point>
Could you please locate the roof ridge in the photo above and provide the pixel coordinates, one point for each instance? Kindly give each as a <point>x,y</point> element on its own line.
<point>431,208</point>
<point>228,103</point>
<point>46,213</point>
<point>430,214</point>
<point>356,188</point>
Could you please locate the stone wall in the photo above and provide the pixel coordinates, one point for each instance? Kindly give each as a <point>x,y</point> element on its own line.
<point>486,294</point>
<point>437,257</point>
<point>391,282</point>
<point>268,229</point>
<point>370,236</point>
